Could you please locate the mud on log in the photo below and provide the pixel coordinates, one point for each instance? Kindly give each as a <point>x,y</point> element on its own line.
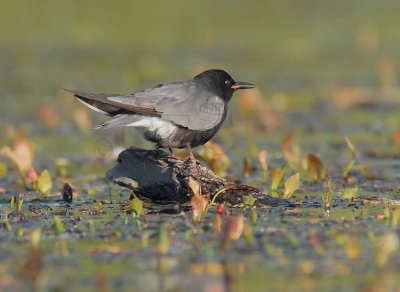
<point>155,175</point>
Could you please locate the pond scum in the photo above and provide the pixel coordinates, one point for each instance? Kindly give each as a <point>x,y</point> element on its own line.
<point>65,227</point>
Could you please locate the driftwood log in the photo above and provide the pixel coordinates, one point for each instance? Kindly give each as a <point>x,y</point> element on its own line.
<point>163,179</point>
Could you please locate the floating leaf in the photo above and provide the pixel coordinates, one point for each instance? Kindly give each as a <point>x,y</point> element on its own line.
<point>67,193</point>
<point>349,193</point>
<point>291,185</point>
<point>45,184</point>
<point>276,178</point>
<point>137,206</point>
<point>248,200</point>
<point>314,166</point>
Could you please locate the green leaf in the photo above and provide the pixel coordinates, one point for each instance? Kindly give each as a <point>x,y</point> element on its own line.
<point>253,216</point>
<point>58,225</point>
<point>163,240</point>
<point>3,169</point>
<point>291,185</point>
<point>137,206</point>
<point>348,168</point>
<point>35,238</point>
<point>12,203</point>
<point>45,183</point>
<point>92,192</point>
<point>248,200</point>
<point>20,201</point>
<point>276,178</point>
<point>349,193</point>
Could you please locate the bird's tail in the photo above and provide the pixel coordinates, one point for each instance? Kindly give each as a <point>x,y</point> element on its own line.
<point>97,102</point>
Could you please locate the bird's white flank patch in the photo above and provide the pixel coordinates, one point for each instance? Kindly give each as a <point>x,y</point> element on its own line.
<point>163,128</point>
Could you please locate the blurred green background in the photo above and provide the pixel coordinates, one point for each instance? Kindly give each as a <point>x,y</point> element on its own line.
<point>291,46</point>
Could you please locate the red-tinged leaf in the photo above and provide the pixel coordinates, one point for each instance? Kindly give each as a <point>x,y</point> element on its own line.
<point>199,205</point>
<point>246,167</point>
<point>33,176</point>
<point>396,138</point>
<point>316,242</point>
<point>199,202</point>
<point>21,155</point>
<point>262,159</point>
<point>217,223</point>
<point>233,229</point>
<point>314,166</point>
<point>49,116</point>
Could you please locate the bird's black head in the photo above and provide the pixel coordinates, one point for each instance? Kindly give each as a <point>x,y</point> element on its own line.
<point>221,82</point>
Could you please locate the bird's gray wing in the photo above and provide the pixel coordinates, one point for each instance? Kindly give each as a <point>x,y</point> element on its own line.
<point>185,104</point>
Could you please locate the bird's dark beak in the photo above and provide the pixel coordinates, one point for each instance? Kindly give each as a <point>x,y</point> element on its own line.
<point>242,85</point>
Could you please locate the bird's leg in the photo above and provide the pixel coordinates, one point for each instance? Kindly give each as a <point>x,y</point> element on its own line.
<point>191,156</point>
<point>171,152</point>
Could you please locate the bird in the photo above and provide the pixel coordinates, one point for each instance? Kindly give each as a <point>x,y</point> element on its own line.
<point>179,115</point>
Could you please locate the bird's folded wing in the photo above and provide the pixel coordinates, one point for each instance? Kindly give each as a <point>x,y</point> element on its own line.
<point>181,103</point>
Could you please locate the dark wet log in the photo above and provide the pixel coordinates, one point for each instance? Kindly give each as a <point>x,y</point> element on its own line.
<point>155,175</point>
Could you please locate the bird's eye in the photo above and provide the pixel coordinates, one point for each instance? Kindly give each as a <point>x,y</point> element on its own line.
<point>227,82</point>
